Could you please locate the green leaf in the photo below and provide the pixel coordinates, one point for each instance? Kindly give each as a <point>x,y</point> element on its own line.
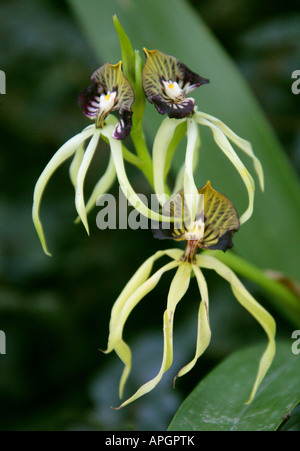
<point>271,238</point>
<point>217,403</point>
<point>127,52</point>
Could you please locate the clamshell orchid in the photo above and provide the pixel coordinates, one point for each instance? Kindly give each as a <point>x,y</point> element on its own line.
<point>166,83</point>
<point>216,222</point>
<point>110,91</point>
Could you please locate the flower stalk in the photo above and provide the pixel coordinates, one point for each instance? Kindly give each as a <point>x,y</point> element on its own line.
<point>283,298</point>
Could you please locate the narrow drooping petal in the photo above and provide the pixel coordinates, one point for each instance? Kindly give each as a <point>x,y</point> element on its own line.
<point>161,143</point>
<point>110,91</point>
<point>166,83</point>
<point>178,288</point>
<point>75,165</point>
<point>103,185</point>
<point>240,142</point>
<point>115,341</point>
<point>117,325</point>
<point>254,308</point>
<point>179,181</point>
<point>227,148</point>
<point>135,290</point>
<point>204,332</point>
<point>66,151</point>
<point>129,193</point>
<point>135,282</point>
<point>190,190</point>
<point>220,220</point>
<point>79,195</point>
<point>178,185</point>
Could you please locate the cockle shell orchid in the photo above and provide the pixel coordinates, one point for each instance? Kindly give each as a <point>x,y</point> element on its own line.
<point>110,91</point>
<point>220,223</point>
<point>166,83</point>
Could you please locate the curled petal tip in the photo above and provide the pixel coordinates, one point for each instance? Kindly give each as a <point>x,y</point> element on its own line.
<point>123,127</point>
<point>41,235</point>
<point>174,380</point>
<point>87,229</point>
<point>116,408</point>
<point>47,253</point>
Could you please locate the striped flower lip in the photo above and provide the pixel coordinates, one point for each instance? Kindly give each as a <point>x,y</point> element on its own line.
<point>213,227</point>
<point>110,91</point>
<point>166,83</point>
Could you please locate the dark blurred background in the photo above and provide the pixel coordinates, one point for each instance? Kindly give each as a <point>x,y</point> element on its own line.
<point>55,311</point>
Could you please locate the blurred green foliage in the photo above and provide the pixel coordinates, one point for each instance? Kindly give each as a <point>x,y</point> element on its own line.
<point>55,312</point>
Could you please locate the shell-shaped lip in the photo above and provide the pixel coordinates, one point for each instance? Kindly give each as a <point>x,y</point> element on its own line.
<point>160,68</point>
<point>219,216</point>
<point>108,81</point>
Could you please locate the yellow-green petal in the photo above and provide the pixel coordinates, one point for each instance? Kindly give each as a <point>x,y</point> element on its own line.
<point>116,330</point>
<point>243,144</point>
<point>179,181</point>
<point>103,185</point>
<point>75,165</point>
<point>65,152</point>
<point>137,287</point>
<point>191,194</point>
<point>222,141</point>
<point>161,143</point>
<point>135,282</point>
<point>178,288</point>
<point>254,308</point>
<point>204,332</point>
<point>129,193</point>
<point>79,195</point>
<point>118,320</point>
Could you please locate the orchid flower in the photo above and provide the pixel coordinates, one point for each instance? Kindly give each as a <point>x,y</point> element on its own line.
<point>214,231</point>
<point>110,91</point>
<point>166,83</point>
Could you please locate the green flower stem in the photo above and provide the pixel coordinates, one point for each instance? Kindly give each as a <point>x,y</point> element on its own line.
<point>131,158</point>
<point>127,155</point>
<point>282,298</point>
<point>146,165</point>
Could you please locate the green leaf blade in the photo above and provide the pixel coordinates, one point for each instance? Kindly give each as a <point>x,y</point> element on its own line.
<point>217,403</point>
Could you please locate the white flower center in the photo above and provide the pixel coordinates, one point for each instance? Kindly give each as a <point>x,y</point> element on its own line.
<point>107,101</point>
<point>173,90</point>
<point>196,230</point>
